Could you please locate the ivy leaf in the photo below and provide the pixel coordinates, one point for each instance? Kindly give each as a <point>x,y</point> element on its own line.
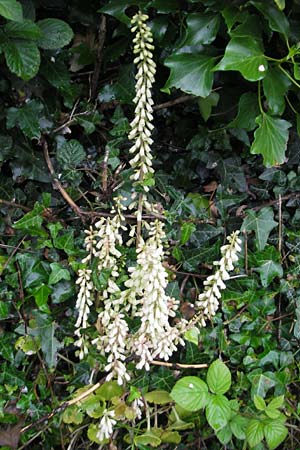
<point>27,118</point>
<point>276,18</point>
<point>201,28</point>
<point>41,294</point>
<point>218,411</point>
<point>117,8</point>
<point>23,30</point>
<point>270,139</point>
<point>245,54</point>
<point>190,393</point>
<point>11,10</point>
<point>187,230</point>
<point>192,73</point>
<point>70,154</point>
<point>275,433</point>
<point>206,105</point>
<point>255,432</point>
<point>58,273</point>
<point>268,271</point>
<point>275,85</point>
<point>247,112</point>
<point>261,223</point>
<point>218,377</point>
<point>22,58</point>
<point>49,344</point>
<point>55,34</point>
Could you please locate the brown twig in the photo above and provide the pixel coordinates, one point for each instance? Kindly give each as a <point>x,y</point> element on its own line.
<point>14,205</point>
<point>99,57</point>
<point>104,170</point>
<point>174,102</point>
<point>56,183</point>
<point>277,201</point>
<point>12,254</point>
<point>178,365</point>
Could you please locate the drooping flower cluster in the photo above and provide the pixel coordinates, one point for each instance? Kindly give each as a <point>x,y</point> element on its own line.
<point>141,126</point>
<point>147,295</point>
<point>106,425</point>
<point>208,301</point>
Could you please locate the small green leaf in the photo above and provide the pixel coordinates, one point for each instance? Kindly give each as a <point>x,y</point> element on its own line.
<point>218,411</point>
<point>190,393</point>
<point>261,223</point>
<point>187,230</point>
<point>275,433</point>
<point>255,432</point>
<point>55,34</point>
<point>206,105</point>
<point>268,271</point>
<point>147,438</point>
<point>270,139</point>
<point>192,73</point>
<point>22,57</point>
<point>110,389</point>
<point>224,435</point>
<point>22,30</point>
<point>58,273</point>
<point>238,425</point>
<point>92,432</point>
<point>171,437</point>
<point>218,377</point>
<point>11,10</point>
<point>158,397</point>
<point>280,4</point>
<point>28,344</point>
<point>192,335</point>
<point>72,415</point>
<point>276,18</point>
<point>27,118</point>
<point>259,403</point>
<point>245,54</point>
<point>276,402</point>
<point>247,112</point>
<point>201,28</point>
<point>41,294</point>
<point>70,154</point>
<point>276,85</point>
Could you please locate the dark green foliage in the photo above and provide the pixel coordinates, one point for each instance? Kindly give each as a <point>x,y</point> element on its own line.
<point>226,157</point>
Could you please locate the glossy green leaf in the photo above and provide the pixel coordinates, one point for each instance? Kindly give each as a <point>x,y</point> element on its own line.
<point>165,6</point>
<point>275,85</point>
<point>187,230</point>
<point>218,377</point>
<point>270,139</point>
<point>27,118</point>
<point>255,432</point>
<point>110,389</point>
<point>206,105</point>
<point>248,110</point>
<point>58,273</point>
<point>11,10</point>
<point>280,4</point>
<point>190,393</point>
<point>275,433</point>
<point>246,55</point>
<point>55,34</point>
<point>117,8</point>
<point>262,223</point>
<point>22,30</point>
<point>218,411</point>
<point>201,28</point>
<point>276,18</point>
<point>70,154</point>
<point>22,58</point>
<point>259,403</point>
<point>192,73</point>
<point>232,14</point>
<point>41,294</point>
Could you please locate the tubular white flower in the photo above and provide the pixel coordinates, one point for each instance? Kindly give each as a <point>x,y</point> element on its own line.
<point>141,126</point>
<point>208,301</point>
<point>106,424</point>
<point>83,303</point>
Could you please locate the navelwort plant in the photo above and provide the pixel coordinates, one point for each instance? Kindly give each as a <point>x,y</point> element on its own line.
<point>143,295</point>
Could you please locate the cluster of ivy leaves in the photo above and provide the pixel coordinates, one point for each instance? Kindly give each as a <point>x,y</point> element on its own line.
<point>226,156</point>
